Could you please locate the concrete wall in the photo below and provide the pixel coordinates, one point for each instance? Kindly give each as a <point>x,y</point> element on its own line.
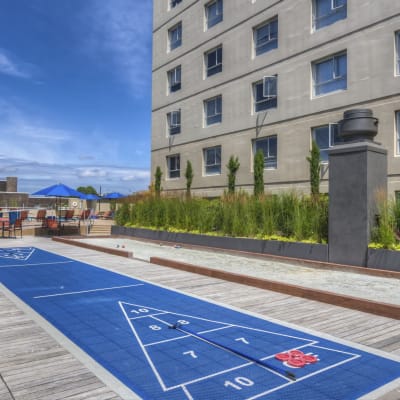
<point>367,35</point>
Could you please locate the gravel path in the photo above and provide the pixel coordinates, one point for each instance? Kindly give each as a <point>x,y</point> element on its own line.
<point>381,289</point>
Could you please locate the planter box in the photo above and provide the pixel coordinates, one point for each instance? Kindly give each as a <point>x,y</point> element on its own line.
<point>306,251</point>
<point>384,259</point>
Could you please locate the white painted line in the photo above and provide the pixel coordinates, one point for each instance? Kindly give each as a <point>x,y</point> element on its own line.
<point>30,265</point>
<point>87,291</point>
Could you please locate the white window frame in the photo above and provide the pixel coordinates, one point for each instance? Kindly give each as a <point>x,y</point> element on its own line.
<point>179,39</point>
<point>334,8</point>
<point>218,62</point>
<point>206,10</point>
<point>177,171</point>
<point>397,125</point>
<point>255,32</point>
<point>174,3</point>
<point>172,79</point>
<point>331,138</point>
<point>174,121</point>
<point>335,75</point>
<point>397,52</point>
<point>215,164</point>
<point>267,158</point>
<point>270,85</point>
<point>268,82</point>
<point>216,113</point>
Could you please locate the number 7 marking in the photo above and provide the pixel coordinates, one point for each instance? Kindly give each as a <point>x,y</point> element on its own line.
<point>242,339</point>
<point>190,353</point>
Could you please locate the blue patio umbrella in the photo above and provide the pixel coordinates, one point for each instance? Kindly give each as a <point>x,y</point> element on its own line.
<point>90,196</point>
<point>113,196</point>
<point>59,190</point>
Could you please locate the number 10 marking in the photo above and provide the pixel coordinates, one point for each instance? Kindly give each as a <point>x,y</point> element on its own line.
<point>239,382</point>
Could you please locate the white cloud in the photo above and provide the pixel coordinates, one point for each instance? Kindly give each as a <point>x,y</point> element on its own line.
<point>122,29</point>
<point>13,68</point>
<point>41,155</point>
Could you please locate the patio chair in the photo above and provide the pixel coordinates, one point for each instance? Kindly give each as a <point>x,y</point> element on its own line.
<point>107,215</point>
<point>53,226</point>
<point>41,215</point>
<point>13,225</point>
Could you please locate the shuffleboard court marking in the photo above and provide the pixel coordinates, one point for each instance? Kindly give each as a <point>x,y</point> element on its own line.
<point>87,291</point>
<point>36,264</point>
<point>164,317</point>
<point>17,253</point>
<point>126,332</point>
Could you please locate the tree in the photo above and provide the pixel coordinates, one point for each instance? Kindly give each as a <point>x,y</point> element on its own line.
<point>157,184</point>
<point>315,169</point>
<point>233,166</point>
<point>87,189</point>
<point>259,173</point>
<point>189,177</point>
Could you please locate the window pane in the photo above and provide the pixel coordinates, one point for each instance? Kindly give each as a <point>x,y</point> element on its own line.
<point>175,37</point>
<point>213,110</point>
<point>266,37</point>
<point>212,160</point>
<point>398,131</point>
<point>269,148</point>
<point>174,77</point>
<point>330,75</point>
<point>214,61</point>
<point>398,52</point>
<point>174,122</point>
<point>327,12</point>
<point>214,13</point>
<point>263,103</point>
<point>174,166</point>
<point>174,3</point>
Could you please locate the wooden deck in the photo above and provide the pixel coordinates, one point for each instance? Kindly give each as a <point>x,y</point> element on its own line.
<point>37,363</point>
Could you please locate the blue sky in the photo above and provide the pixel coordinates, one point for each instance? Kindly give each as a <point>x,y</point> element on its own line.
<point>75,93</point>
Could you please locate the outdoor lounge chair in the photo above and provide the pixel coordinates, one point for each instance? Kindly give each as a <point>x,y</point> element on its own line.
<point>13,225</point>
<point>53,226</point>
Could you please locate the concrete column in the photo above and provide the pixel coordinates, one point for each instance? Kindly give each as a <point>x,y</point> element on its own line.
<point>12,183</point>
<point>357,172</point>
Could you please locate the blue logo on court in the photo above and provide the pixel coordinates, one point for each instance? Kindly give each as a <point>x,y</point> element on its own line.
<point>17,253</point>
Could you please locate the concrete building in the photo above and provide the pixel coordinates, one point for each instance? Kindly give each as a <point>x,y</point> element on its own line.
<point>234,76</point>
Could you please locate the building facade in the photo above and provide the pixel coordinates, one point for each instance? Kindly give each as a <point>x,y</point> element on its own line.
<point>232,77</point>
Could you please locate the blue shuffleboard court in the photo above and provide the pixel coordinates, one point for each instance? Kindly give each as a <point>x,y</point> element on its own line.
<point>163,344</point>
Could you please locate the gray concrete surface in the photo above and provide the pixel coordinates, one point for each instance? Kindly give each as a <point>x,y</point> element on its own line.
<point>381,289</point>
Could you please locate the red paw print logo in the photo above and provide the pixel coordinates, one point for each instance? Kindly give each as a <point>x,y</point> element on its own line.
<point>296,358</point>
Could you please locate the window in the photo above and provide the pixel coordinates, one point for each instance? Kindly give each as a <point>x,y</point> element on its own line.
<point>174,3</point>
<point>213,13</point>
<point>212,160</point>
<point>174,79</point>
<point>326,136</point>
<point>266,37</point>
<point>265,93</point>
<point>174,166</point>
<point>398,133</point>
<point>327,12</point>
<point>213,110</point>
<point>174,122</point>
<point>213,60</point>
<point>269,147</point>
<point>175,37</point>
<point>330,74</point>
<point>397,41</point>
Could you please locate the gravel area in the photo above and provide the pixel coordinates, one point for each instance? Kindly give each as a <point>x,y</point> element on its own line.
<point>381,289</point>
